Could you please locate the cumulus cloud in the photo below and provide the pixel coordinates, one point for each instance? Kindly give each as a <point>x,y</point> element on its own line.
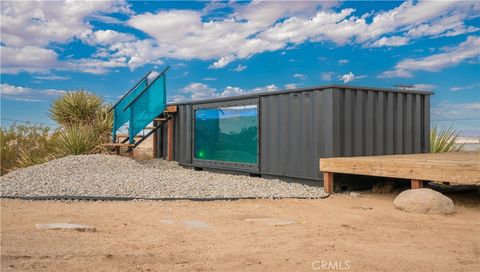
<point>21,93</point>
<point>105,37</point>
<point>346,78</point>
<point>466,50</point>
<point>424,87</point>
<point>343,61</point>
<point>240,68</point>
<point>291,86</point>
<point>52,77</point>
<point>327,76</point>
<point>244,30</point>
<point>28,58</point>
<point>197,91</point>
<point>390,41</point>
<point>300,76</point>
<point>475,86</point>
<point>454,110</point>
<point>29,27</point>
<point>257,27</point>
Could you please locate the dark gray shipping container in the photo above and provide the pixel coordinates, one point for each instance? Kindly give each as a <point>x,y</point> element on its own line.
<point>299,127</point>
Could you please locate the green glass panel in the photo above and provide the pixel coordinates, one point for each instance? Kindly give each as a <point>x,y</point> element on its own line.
<point>227,134</point>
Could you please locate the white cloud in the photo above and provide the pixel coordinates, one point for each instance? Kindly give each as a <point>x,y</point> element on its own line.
<point>244,30</point>
<point>291,86</point>
<point>327,76</point>
<point>27,58</point>
<point>52,77</point>
<point>268,88</point>
<point>197,91</point>
<point>39,23</point>
<point>240,68</point>
<point>424,87</point>
<point>257,27</point>
<point>466,50</point>
<point>300,76</point>
<point>20,93</point>
<point>105,37</point>
<point>391,41</point>
<point>343,61</point>
<point>475,86</point>
<point>28,27</point>
<point>209,78</point>
<point>232,91</point>
<point>453,110</point>
<point>346,78</point>
<point>396,73</point>
<point>96,66</point>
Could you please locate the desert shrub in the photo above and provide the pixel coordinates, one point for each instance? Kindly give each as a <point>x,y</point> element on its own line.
<point>77,140</point>
<point>25,145</point>
<point>85,122</point>
<point>76,108</point>
<point>444,140</point>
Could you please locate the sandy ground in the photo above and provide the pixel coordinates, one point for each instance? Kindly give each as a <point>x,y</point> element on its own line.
<point>362,234</point>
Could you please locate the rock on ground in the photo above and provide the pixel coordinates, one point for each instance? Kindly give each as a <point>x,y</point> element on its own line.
<point>65,226</point>
<point>114,176</point>
<point>425,201</point>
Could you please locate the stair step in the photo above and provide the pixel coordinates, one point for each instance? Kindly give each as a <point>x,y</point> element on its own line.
<point>149,127</point>
<point>160,119</point>
<point>126,136</point>
<point>118,145</point>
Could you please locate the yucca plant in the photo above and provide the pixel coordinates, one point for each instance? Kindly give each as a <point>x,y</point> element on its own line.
<point>77,140</point>
<point>76,108</point>
<point>444,140</point>
<point>103,123</point>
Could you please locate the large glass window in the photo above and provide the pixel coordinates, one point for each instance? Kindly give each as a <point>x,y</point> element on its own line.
<point>228,134</point>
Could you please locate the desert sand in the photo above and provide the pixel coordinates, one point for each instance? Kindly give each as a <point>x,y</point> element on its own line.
<point>354,233</point>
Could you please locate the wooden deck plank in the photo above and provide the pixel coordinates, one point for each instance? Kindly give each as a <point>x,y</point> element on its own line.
<point>118,145</point>
<point>455,167</point>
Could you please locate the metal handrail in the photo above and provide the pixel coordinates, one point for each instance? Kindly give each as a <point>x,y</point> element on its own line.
<point>127,93</point>
<point>146,88</point>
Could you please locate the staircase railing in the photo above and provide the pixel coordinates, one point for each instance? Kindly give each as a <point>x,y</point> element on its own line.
<point>147,105</point>
<point>120,117</point>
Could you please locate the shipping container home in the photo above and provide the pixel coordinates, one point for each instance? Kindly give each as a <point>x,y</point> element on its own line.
<point>285,133</point>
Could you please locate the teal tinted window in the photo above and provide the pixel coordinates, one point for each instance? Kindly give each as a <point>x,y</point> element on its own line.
<point>227,134</point>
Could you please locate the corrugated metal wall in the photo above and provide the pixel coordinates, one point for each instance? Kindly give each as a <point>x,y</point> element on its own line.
<point>298,128</point>
<point>295,131</point>
<point>379,123</point>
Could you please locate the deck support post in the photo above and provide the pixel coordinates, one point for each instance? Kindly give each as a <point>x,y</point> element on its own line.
<point>328,182</point>
<point>155,139</point>
<point>417,184</point>
<point>170,139</point>
<point>117,150</point>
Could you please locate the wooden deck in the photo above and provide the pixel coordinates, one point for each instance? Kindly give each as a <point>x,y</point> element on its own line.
<point>453,167</point>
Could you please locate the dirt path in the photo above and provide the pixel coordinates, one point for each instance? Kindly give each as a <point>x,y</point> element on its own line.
<point>362,234</point>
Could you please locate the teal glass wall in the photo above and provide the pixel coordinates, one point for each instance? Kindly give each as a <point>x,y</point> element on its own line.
<point>228,134</point>
<point>148,105</point>
<point>120,116</point>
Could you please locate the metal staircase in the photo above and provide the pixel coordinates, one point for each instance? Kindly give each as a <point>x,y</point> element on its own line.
<point>142,105</point>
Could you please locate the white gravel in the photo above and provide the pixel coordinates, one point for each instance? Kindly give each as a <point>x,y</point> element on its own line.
<point>114,176</point>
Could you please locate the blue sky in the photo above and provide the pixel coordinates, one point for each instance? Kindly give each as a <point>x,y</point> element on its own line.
<point>230,48</point>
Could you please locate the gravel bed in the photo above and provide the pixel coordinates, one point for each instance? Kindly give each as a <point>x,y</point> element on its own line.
<point>115,176</point>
